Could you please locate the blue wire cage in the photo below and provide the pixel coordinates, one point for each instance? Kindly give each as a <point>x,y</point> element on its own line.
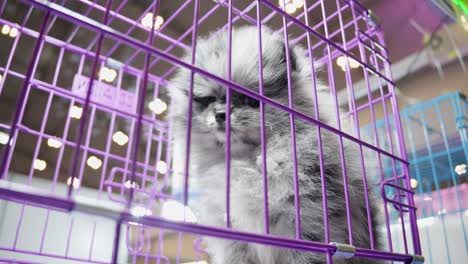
<point>437,147</point>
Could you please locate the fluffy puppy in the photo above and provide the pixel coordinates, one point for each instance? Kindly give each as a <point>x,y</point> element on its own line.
<point>207,153</point>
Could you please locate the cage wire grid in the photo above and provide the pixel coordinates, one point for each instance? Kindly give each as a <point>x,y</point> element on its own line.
<point>437,148</point>
<point>132,179</point>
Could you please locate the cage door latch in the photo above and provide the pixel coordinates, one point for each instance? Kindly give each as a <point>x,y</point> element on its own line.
<point>343,250</point>
<point>417,259</point>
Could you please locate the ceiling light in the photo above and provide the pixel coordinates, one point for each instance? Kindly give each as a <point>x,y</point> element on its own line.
<point>10,31</point>
<point>107,74</point>
<point>6,29</point>
<point>39,164</point>
<point>54,143</point>
<point>413,183</point>
<point>460,169</point>
<point>298,3</point>
<point>353,63</point>
<point>148,20</point>
<point>130,185</point>
<point>1,78</point>
<point>341,61</point>
<point>157,106</point>
<point>290,6</point>
<point>76,112</point>
<point>76,182</point>
<point>94,162</point>
<point>13,32</point>
<point>159,21</point>
<point>140,211</point>
<point>161,167</point>
<point>4,137</point>
<point>176,211</point>
<point>120,138</point>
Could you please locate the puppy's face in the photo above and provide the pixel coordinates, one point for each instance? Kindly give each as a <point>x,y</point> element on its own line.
<point>209,97</point>
<point>209,114</point>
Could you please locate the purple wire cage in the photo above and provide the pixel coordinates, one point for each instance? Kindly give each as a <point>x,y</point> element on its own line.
<point>85,166</point>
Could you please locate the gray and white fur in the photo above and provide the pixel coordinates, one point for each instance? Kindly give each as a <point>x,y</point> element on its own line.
<point>207,153</point>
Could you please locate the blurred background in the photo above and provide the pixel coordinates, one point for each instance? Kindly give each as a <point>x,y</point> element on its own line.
<point>427,45</point>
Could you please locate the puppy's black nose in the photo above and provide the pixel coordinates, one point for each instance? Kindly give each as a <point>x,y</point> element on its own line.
<point>220,117</point>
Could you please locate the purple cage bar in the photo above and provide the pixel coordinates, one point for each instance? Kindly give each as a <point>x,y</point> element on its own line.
<point>130,180</point>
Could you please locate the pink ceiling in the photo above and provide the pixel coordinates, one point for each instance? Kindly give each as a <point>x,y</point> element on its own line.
<point>395,16</point>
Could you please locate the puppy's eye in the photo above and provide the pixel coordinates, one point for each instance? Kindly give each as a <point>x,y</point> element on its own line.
<point>251,102</point>
<point>204,100</point>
